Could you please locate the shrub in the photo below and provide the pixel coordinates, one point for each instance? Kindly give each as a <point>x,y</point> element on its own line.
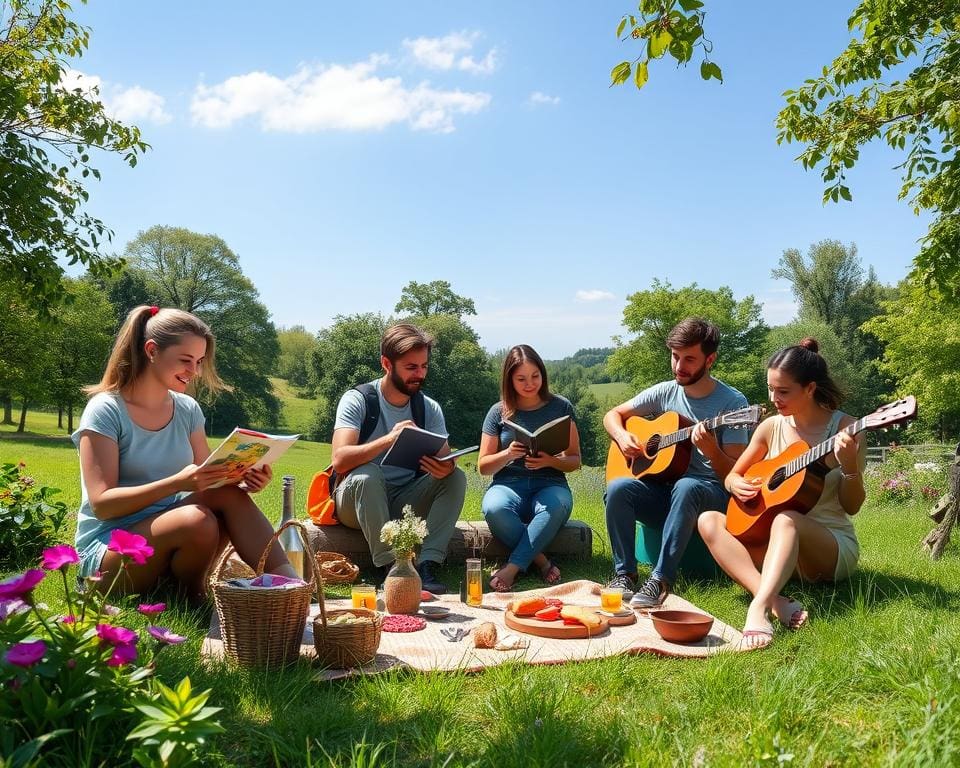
<point>71,684</point>
<point>29,519</point>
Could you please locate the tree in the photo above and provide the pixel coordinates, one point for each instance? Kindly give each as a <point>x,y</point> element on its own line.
<point>296,348</point>
<point>200,274</point>
<point>921,333</point>
<point>46,134</point>
<point>24,354</point>
<point>652,314</point>
<point>853,102</point>
<point>81,337</point>
<point>435,298</point>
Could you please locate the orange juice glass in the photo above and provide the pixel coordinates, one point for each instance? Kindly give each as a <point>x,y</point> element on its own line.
<point>474,582</point>
<point>611,600</point>
<point>363,596</point>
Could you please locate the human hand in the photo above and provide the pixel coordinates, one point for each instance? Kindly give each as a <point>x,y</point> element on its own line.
<point>846,450</point>
<point>398,428</point>
<point>255,480</point>
<point>629,445</point>
<point>540,460</point>
<point>704,439</point>
<point>515,450</point>
<point>436,468</point>
<point>195,478</point>
<point>743,488</point>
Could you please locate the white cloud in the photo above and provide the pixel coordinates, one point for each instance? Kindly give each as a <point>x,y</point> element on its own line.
<point>131,104</point>
<point>537,98</point>
<point>452,51</point>
<point>332,97</point>
<point>594,295</point>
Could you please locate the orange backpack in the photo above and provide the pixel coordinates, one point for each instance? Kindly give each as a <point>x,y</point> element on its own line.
<point>320,503</point>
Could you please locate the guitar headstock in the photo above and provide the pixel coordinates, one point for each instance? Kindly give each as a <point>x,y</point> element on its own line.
<point>892,414</point>
<point>743,417</point>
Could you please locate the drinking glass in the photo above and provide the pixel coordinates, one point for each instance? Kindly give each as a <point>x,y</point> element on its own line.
<point>363,596</point>
<point>611,599</point>
<point>474,581</point>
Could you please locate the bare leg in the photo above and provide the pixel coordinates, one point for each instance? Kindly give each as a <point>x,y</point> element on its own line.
<point>184,540</point>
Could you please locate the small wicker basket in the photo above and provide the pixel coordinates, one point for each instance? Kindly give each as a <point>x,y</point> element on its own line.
<point>262,627</point>
<point>345,645</point>
<point>336,568</point>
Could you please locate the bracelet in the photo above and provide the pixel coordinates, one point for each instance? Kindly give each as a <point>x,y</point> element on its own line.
<point>849,476</point>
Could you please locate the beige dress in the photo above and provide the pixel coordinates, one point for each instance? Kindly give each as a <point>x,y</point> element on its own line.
<point>827,511</point>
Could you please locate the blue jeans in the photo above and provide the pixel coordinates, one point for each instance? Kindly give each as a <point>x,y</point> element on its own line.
<point>674,507</point>
<point>525,515</point>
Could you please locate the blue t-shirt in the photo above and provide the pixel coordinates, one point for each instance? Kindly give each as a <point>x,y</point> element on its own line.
<point>670,396</point>
<point>352,409</point>
<point>554,408</point>
<point>145,455</point>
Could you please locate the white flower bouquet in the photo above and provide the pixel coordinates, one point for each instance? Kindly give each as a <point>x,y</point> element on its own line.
<point>405,534</point>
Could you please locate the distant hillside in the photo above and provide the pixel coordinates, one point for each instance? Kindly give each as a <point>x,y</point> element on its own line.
<point>296,413</point>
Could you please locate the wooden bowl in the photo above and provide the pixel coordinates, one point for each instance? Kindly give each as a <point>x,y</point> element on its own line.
<point>681,626</point>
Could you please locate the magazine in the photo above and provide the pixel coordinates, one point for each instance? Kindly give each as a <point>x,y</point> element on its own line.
<point>552,438</point>
<point>244,449</point>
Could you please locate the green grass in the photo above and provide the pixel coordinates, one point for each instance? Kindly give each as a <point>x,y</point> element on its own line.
<point>612,393</point>
<point>874,679</point>
<point>297,413</point>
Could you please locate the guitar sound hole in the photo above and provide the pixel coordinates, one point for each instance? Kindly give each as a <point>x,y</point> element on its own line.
<point>653,445</point>
<point>776,480</point>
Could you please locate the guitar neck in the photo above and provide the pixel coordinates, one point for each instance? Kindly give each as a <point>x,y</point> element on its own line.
<point>820,450</point>
<point>684,434</point>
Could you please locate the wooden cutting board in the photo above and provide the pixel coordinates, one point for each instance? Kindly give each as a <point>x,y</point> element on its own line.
<point>556,630</point>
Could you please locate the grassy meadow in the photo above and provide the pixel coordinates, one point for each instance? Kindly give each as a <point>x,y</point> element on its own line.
<point>873,679</point>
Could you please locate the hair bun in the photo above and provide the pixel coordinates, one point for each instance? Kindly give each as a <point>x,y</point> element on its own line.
<point>810,344</point>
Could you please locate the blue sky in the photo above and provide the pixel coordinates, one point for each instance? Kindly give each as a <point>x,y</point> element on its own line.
<point>342,150</point>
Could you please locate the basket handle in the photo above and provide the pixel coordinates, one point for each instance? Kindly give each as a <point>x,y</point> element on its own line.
<point>217,570</point>
<point>320,598</point>
<point>307,551</point>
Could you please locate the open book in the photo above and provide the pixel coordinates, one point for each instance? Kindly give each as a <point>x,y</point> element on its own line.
<point>244,449</point>
<point>552,438</point>
<point>411,444</point>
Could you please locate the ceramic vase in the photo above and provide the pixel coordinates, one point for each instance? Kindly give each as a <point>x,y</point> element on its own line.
<point>401,588</point>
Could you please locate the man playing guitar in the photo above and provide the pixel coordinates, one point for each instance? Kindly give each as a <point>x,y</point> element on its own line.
<point>672,505</point>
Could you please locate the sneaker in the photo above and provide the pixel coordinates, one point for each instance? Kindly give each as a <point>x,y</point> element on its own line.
<point>625,583</point>
<point>651,594</point>
<point>428,575</point>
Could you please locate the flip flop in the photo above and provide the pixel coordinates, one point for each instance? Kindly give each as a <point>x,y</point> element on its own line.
<point>797,613</point>
<point>500,585</point>
<point>549,568</point>
<point>757,638</point>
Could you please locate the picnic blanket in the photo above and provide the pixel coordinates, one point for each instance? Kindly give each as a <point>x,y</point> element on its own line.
<point>429,650</point>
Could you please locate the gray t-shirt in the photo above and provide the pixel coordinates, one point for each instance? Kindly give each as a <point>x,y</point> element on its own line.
<point>145,455</point>
<point>352,409</point>
<point>670,396</point>
<point>493,424</point>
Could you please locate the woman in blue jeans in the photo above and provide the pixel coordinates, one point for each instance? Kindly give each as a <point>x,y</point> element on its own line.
<point>529,499</point>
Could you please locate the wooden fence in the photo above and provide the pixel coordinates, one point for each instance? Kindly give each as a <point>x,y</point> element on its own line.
<point>877,454</point>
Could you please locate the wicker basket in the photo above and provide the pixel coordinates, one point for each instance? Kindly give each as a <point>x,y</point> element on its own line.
<point>336,568</point>
<point>262,627</point>
<point>345,645</point>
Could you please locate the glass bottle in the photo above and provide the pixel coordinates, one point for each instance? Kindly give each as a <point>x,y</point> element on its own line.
<point>290,538</point>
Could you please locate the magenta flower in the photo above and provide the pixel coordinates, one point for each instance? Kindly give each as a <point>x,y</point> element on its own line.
<point>132,545</point>
<point>122,654</point>
<point>164,635</point>
<point>116,635</point>
<point>59,557</point>
<point>69,619</point>
<point>21,585</point>
<point>148,609</point>
<point>8,607</point>
<point>26,654</point>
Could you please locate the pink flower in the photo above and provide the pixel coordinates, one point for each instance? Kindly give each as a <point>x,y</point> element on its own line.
<point>148,609</point>
<point>21,585</point>
<point>69,619</point>
<point>164,635</point>
<point>60,556</point>
<point>132,545</point>
<point>109,610</point>
<point>116,635</point>
<point>122,654</point>
<point>8,607</point>
<point>26,654</point>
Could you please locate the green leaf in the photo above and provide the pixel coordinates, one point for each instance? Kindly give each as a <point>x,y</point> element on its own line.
<point>658,43</point>
<point>845,194</point>
<point>620,73</point>
<point>691,5</point>
<point>708,69</point>
<point>641,74</point>
<point>621,25</point>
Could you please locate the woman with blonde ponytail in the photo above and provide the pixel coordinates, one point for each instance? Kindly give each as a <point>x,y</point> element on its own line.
<point>141,442</point>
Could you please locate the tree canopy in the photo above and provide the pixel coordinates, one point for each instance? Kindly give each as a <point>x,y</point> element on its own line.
<point>434,298</point>
<point>896,81</point>
<point>47,132</point>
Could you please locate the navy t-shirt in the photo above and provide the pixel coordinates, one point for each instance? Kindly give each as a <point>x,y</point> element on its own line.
<point>554,408</point>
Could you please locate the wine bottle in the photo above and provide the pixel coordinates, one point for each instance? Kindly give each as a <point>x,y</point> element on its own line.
<point>290,539</point>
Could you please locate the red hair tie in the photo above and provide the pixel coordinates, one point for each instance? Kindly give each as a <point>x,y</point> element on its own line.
<point>154,310</point>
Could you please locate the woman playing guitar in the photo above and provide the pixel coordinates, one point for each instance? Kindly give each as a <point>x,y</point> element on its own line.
<point>820,545</point>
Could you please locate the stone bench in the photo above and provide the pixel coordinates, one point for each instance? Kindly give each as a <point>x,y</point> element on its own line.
<point>472,538</point>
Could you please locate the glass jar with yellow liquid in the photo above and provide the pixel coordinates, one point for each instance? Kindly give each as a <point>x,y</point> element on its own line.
<point>363,596</point>
<point>474,581</point>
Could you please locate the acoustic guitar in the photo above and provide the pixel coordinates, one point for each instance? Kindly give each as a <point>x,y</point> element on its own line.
<point>666,443</point>
<point>794,479</point>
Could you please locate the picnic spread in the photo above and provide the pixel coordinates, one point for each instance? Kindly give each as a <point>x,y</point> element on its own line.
<point>446,641</point>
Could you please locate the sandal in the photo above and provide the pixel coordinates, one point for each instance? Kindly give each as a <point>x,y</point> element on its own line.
<point>797,615</point>
<point>549,570</point>
<point>500,585</point>
<point>757,638</point>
